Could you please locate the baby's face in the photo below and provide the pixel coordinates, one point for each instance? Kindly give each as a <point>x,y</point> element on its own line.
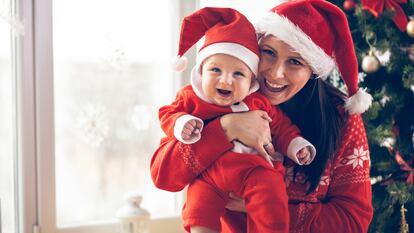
<point>226,80</point>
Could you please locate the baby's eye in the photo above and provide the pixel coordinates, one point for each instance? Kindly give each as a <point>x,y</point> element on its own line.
<point>239,74</point>
<point>215,69</point>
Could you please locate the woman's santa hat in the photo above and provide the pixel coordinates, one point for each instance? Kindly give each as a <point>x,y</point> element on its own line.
<point>319,32</point>
<point>226,31</point>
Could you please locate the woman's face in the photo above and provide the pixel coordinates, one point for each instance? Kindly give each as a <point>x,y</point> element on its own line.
<point>282,72</point>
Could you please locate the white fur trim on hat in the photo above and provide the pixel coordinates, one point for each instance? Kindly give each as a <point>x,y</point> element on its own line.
<point>359,102</point>
<point>179,64</point>
<point>233,49</point>
<point>282,28</point>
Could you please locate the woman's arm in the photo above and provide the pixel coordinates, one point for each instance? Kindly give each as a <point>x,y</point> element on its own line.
<point>251,128</point>
<point>348,206</point>
<point>174,164</point>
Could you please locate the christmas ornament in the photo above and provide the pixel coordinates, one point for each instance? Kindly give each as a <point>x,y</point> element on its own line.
<point>404,224</point>
<point>370,63</point>
<point>377,6</point>
<point>410,28</point>
<point>349,5</point>
<point>405,166</point>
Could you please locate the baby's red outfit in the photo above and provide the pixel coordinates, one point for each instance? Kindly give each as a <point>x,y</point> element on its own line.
<point>247,175</point>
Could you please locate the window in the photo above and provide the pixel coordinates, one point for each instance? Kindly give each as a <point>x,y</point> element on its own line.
<point>7,153</point>
<point>111,74</point>
<point>78,105</point>
<point>244,6</point>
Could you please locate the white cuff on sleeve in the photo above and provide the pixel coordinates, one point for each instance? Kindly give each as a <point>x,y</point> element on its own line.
<point>296,145</point>
<point>179,126</point>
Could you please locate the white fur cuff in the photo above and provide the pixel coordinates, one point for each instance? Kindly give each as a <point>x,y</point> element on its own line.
<point>296,145</point>
<point>179,126</point>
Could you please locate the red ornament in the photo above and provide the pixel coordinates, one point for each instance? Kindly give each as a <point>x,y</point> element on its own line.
<point>349,5</point>
<point>377,6</point>
<point>405,166</point>
<point>395,130</point>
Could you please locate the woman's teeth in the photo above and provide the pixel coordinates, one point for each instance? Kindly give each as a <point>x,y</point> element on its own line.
<point>275,87</point>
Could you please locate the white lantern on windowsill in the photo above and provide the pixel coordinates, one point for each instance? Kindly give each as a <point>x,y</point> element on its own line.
<point>133,218</point>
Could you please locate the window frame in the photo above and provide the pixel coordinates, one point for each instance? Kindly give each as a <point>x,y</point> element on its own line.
<point>35,147</point>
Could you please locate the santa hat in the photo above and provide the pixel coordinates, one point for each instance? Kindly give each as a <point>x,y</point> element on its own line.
<point>226,31</point>
<point>319,32</point>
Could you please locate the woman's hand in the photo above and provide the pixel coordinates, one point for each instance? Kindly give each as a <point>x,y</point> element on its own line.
<point>252,129</point>
<point>236,203</point>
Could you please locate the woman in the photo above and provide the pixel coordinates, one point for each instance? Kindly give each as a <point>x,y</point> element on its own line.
<point>301,43</point>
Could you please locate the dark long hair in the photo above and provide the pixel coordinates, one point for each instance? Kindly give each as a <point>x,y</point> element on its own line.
<point>316,111</point>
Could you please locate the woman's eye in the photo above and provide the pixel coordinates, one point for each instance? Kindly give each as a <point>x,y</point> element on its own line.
<point>295,62</point>
<point>268,52</point>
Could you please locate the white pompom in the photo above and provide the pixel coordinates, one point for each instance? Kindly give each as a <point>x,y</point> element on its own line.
<point>179,64</point>
<point>359,102</point>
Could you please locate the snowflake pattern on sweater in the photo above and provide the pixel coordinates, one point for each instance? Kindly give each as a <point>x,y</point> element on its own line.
<point>341,202</point>
<point>344,175</point>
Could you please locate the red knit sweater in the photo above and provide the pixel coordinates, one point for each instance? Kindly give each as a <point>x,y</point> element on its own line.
<point>341,202</point>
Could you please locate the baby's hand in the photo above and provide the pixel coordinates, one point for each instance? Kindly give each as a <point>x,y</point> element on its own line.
<point>304,156</point>
<point>190,128</point>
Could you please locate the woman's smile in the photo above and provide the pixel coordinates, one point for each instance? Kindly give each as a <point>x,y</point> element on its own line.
<point>274,87</point>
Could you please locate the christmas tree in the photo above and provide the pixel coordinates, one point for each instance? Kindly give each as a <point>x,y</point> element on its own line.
<point>383,33</point>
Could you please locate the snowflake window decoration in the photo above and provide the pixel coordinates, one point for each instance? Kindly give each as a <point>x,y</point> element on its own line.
<point>93,124</point>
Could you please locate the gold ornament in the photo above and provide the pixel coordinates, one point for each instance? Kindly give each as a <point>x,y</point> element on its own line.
<point>404,224</point>
<point>410,28</point>
<point>370,63</point>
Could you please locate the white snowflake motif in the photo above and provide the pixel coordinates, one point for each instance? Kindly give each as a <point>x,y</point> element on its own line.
<point>324,180</point>
<point>93,124</point>
<point>356,159</point>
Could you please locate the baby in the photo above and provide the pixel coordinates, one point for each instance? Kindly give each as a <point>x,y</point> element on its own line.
<point>223,81</point>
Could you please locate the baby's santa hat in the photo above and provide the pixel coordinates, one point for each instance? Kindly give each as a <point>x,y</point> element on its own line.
<point>319,32</point>
<point>226,31</point>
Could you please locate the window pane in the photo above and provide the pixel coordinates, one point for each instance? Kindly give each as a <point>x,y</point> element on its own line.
<point>7,184</point>
<point>253,11</point>
<point>111,74</point>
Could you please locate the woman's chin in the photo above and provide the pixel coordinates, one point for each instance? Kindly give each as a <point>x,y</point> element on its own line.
<point>275,97</point>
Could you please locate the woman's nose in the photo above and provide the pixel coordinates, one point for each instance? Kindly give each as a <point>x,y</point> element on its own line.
<point>278,70</point>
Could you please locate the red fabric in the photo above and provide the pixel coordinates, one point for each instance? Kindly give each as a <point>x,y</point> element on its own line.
<point>377,6</point>
<point>327,26</point>
<point>217,25</point>
<point>251,178</point>
<point>187,102</point>
<point>341,203</point>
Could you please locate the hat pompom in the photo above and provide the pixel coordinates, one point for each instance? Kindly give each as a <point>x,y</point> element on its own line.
<point>359,102</point>
<point>179,64</point>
